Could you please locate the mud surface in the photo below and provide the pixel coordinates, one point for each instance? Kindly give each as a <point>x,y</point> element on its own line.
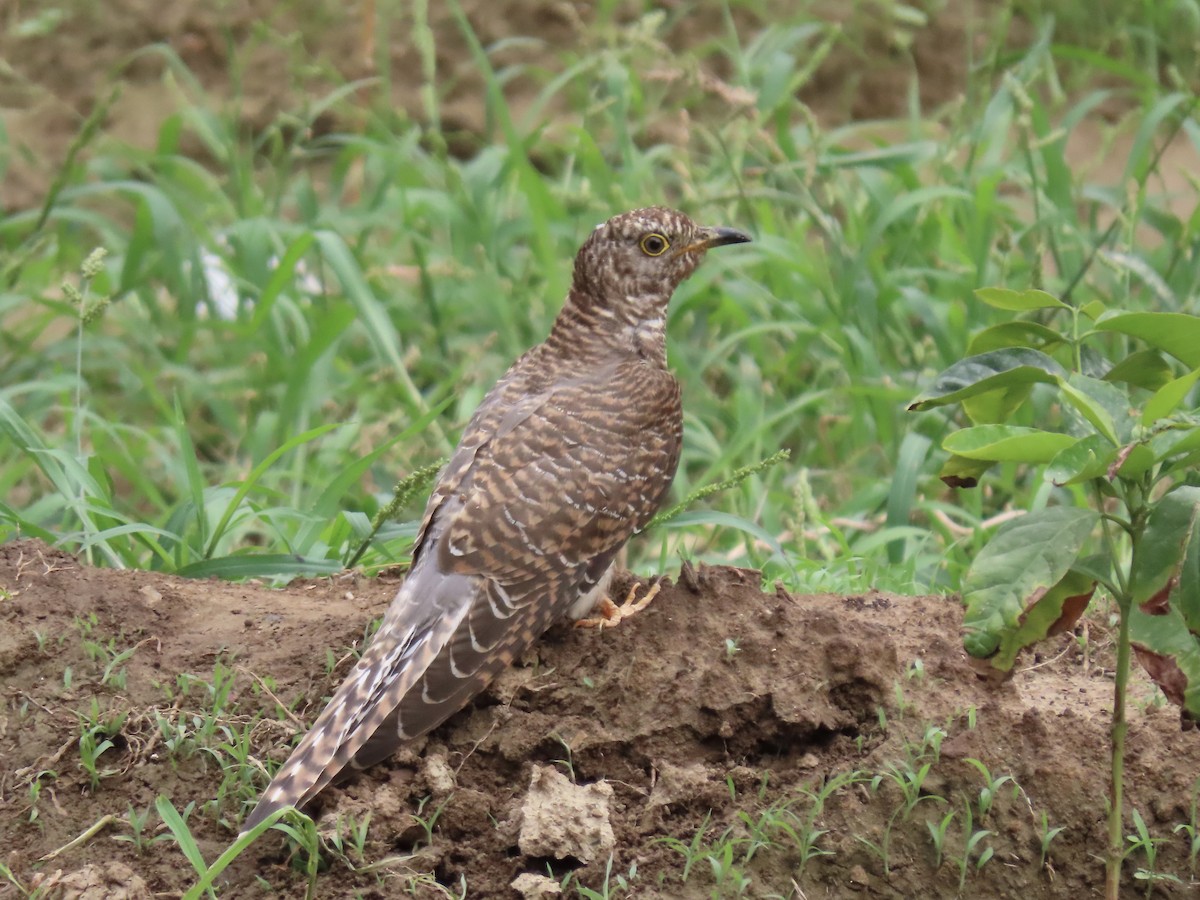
<point>716,704</point>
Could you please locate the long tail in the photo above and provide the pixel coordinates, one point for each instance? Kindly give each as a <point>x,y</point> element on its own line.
<point>393,663</point>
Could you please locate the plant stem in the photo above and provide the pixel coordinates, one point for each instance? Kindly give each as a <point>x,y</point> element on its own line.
<point>1120,726</point>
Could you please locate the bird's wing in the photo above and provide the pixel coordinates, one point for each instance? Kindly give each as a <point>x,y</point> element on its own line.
<point>542,492</point>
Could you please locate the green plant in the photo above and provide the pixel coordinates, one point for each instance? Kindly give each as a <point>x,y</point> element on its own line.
<point>991,787</point>
<point>1117,440</point>
<point>972,838</point>
<point>35,791</point>
<point>94,742</point>
<point>1143,842</point>
<point>1191,830</point>
<point>428,823</point>
<point>137,831</point>
<point>909,779</point>
<point>937,834</point>
<point>1046,836</point>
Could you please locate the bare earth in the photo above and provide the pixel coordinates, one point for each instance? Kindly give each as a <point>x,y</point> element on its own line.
<point>657,711</point>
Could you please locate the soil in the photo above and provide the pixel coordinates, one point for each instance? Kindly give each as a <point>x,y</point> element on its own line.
<point>716,702</point>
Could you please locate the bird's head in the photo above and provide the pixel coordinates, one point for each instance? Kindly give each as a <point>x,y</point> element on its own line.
<point>638,258</point>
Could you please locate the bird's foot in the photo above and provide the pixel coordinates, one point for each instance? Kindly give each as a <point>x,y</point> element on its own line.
<point>610,614</point>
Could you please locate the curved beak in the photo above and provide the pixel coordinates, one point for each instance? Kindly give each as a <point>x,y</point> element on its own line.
<point>716,236</point>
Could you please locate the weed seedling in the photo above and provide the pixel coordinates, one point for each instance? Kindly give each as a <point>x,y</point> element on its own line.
<point>1148,845</point>
<point>1047,835</point>
<point>987,795</point>
<point>1191,830</point>
<point>94,742</point>
<point>428,824</point>
<point>937,834</point>
<point>971,841</point>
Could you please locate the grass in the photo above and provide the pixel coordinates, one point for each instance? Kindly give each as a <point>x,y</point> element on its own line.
<point>226,368</point>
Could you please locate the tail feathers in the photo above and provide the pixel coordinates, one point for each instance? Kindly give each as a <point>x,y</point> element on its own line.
<point>392,664</point>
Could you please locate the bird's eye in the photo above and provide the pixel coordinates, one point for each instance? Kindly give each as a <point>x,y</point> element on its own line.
<point>654,244</point>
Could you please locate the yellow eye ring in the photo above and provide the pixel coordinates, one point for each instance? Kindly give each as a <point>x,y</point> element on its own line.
<point>654,244</point>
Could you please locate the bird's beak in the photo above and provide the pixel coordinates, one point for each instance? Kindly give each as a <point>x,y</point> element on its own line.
<point>719,236</point>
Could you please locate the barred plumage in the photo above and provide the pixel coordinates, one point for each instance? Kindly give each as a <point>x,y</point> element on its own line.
<point>571,452</point>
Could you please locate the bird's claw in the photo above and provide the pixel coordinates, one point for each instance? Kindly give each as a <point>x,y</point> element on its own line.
<point>610,614</point>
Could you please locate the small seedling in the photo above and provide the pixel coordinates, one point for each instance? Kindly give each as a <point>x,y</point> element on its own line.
<point>1148,845</point>
<point>94,743</point>
<point>937,834</point>
<point>1047,835</point>
<point>428,824</point>
<point>987,795</point>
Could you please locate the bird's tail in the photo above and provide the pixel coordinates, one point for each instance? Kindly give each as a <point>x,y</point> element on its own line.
<point>396,659</point>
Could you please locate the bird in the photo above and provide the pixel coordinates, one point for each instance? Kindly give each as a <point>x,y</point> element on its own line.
<point>570,453</point>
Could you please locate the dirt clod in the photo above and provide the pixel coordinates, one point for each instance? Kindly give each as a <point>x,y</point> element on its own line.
<point>562,820</point>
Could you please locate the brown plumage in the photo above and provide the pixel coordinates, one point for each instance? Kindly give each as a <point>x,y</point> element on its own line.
<point>571,452</point>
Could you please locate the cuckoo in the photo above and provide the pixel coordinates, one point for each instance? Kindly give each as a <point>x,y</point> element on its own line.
<point>571,452</point>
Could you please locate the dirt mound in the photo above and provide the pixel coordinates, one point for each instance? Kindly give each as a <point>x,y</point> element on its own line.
<point>768,743</point>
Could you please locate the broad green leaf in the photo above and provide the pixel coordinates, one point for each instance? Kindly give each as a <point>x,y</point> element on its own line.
<point>1055,612</point>
<point>1084,394</point>
<point>1166,569</point>
<point>1174,333</point>
<point>1021,565</point>
<point>1168,397</point>
<point>1145,369</point>
<point>1018,301</point>
<point>977,375</point>
<point>1014,334</point>
<point>960,472</point>
<point>1176,441</point>
<point>1084,460</point>
<point>995,407</point>
<point>1008,443</point>
<point>1134,460</point>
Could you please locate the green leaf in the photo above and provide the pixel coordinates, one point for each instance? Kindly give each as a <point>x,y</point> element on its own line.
<point>183,835</point>
<point>1176,441</point>
<point>977,375</point>
<point>997,406</point>
<point>1168,397</point>
<point>1023,562</point>
<point>1008,443</point>
<point>1084,460</point>
<point>1175,333</point>
<point>1084,394</point>
<point>1166,568</point>
<point>1145,369</point>
<point>1014,334</point>
<point>960,472</point>
<point>262,565</point>
<point>1134,459</point>
<point>256,473</point>
<point>1018,301</point>
<point>1056,611</point>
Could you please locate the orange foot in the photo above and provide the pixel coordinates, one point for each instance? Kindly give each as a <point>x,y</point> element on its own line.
<point>610,614</point>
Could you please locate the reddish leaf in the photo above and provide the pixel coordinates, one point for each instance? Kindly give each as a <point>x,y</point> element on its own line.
<point>1165,673</point>
<point>1159,604</point>
<point>1072,609</point>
